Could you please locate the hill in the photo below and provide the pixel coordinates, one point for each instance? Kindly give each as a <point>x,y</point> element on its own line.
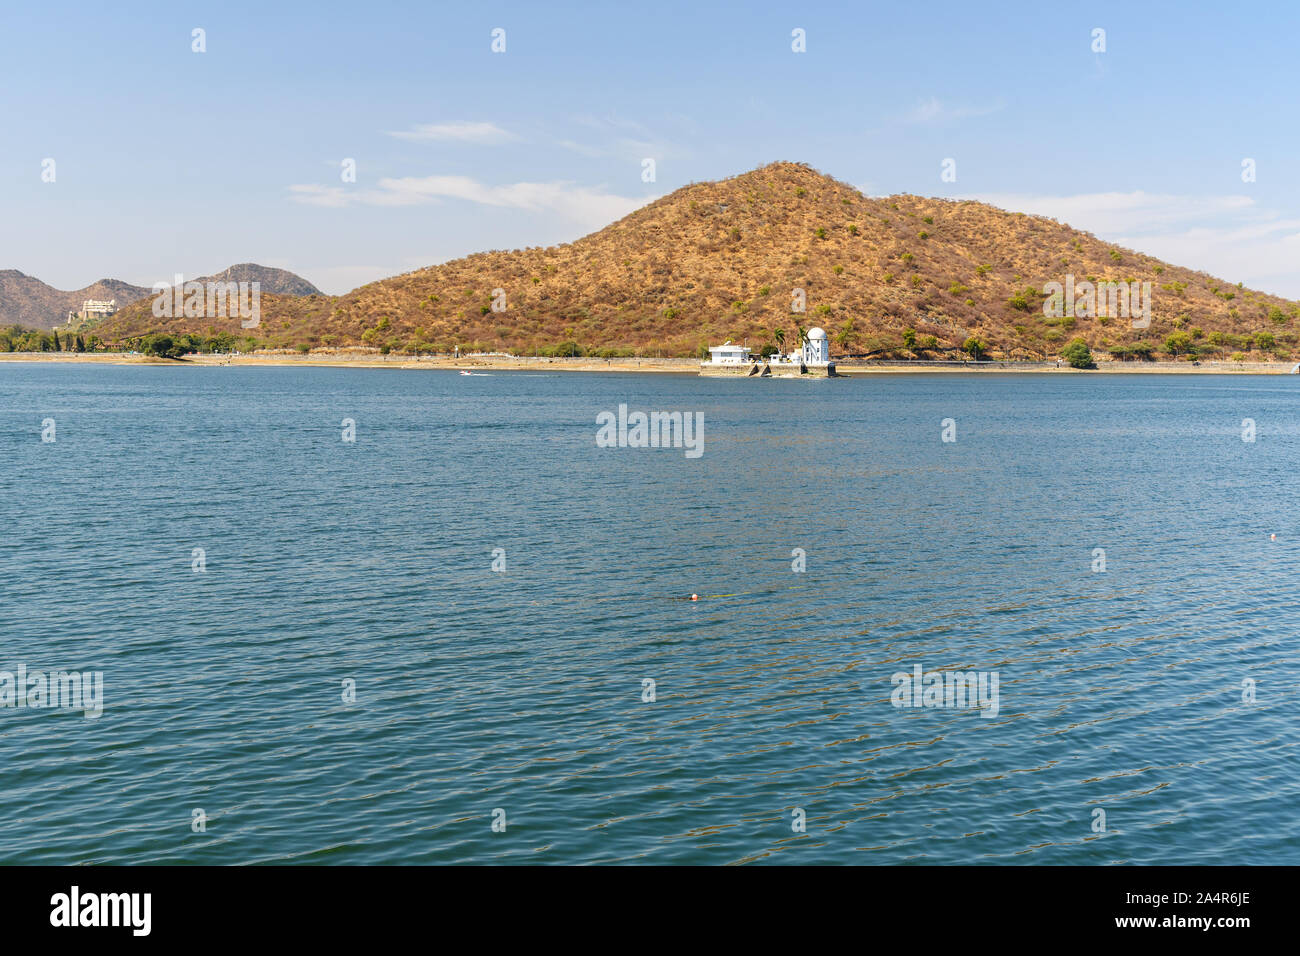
<point>29,302</point>
<point>274,281</point>
<point>902,275</point>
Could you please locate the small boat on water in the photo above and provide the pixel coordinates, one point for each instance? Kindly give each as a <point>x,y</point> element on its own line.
<point>463,372</point>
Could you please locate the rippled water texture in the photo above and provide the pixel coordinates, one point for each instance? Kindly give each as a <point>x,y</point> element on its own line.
<point>522,690</point>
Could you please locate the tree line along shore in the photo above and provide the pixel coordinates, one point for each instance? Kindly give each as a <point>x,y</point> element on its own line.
<point>1188,348</point>
<point>683,365</point>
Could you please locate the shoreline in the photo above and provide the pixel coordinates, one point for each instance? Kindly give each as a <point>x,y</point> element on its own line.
<point>681,366</point>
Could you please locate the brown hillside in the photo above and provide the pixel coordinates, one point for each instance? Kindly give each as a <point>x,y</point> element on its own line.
<point>29,302</point>
<point>719,260</point>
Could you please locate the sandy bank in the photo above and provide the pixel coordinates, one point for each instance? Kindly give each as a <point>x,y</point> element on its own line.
<point>678,365</point>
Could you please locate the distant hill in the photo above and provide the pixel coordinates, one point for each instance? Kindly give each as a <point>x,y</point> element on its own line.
<point>29,302</point>
<point>275,281</point>
<point>719,260</point>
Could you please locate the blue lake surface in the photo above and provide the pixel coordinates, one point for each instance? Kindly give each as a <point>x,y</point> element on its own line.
<point>477,690</point>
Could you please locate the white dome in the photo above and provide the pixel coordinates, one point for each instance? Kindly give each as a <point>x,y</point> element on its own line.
<point>816,333</point>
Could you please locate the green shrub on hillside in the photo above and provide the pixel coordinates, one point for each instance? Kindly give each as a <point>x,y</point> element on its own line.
<point>1021,302</point>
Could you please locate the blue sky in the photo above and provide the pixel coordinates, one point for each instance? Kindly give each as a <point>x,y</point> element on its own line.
<point>167,160</point>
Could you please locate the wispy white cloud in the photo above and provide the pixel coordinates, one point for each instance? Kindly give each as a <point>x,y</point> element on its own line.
<point>1228,236</point>
<point>608,122</point>
<point>461,132</point>
<point>587,205</point>
<point>583,149</point>
<point>1123,212</point>
<point>622,139</point>
<point>625,149</point>
<point>316,195</point>
<point>931,112</point>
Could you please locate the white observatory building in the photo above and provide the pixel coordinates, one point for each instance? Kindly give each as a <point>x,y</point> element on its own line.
<point>812,358</point>
<point>817,350</point>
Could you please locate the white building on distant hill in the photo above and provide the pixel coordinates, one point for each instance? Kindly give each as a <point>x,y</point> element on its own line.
<point>93,308</point>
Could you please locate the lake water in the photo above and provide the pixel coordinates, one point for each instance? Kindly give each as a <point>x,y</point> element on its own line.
<point>328,562</point>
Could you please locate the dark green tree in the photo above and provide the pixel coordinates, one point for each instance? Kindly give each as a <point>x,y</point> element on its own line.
<point>1078,354</point>
<point>1178,342</point>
